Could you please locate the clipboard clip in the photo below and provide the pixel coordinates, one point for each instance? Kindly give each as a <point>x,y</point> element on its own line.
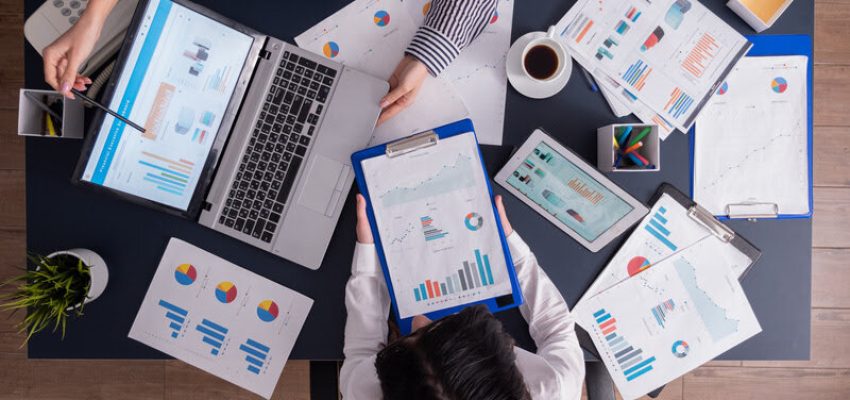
<point>704,218</point>
<point>410,144</point>
<point>752,210</point>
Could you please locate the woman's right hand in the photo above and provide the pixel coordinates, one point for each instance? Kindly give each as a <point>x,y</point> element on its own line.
<point>63,57</point>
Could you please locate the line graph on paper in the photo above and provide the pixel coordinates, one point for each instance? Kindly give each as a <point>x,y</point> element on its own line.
<point>751,156</point>
<point>448,178</point>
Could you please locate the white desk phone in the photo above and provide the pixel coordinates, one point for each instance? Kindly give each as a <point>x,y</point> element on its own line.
<point>54,17</point>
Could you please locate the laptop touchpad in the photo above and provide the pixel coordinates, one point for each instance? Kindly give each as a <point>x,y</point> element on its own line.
<point>320,182</point>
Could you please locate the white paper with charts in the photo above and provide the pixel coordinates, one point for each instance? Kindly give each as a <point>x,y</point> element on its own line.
<point>669,54</point>
<point>221,318</point>
<point>671,318</point>
<point>371,36</point>
<point>479,73</point>
<point>667,229</point>
<point>751,146</point>
<point>437,226</point>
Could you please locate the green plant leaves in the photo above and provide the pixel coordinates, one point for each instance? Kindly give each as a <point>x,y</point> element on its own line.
<point>47,290</point>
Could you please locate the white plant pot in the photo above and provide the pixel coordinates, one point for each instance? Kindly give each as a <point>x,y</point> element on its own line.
<point>97,269</point>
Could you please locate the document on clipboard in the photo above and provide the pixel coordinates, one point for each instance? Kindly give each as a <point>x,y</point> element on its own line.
<point>670,299</point>
<point>437,232</point>
<point>752,144</point>
<point>674,224</point>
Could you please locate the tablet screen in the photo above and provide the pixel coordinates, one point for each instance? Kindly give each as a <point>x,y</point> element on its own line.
<point>567,193</point>
<point>177,81</point>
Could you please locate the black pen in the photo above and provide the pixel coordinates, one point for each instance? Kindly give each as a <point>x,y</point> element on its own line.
<point>107,110</point>
<point>43,106</point>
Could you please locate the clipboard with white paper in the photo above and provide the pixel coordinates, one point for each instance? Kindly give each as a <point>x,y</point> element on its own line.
<point>674,224</point>
<point>437,232</point>
<point>752,144</point>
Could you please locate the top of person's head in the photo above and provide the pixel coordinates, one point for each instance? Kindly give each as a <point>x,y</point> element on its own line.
<point>464,356</point>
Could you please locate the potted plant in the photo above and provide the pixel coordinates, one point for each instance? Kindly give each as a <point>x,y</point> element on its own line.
<point>57,286</point>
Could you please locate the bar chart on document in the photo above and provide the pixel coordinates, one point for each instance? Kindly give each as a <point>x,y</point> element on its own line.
<point>682,312</point>
<point>666,230</point>
<point>220,318</point>
<point>434,218</point>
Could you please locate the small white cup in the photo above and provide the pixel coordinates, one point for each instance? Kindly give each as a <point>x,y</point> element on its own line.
<point>550,42</point>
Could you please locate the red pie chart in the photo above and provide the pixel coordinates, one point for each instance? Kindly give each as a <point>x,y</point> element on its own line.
<point>637,264</point>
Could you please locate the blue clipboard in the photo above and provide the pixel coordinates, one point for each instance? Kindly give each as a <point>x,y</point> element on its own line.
<point>457,128</point>
<point>778,45</point>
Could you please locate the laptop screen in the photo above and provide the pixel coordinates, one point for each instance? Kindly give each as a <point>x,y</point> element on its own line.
<point>177,81</point>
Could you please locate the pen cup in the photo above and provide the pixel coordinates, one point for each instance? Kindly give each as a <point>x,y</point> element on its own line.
<point>34,120</point>
<point>612,157</point>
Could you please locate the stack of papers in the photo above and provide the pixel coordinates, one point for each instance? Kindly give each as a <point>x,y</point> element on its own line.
<point>667,302</point>
<point>371,35</point>
<point>660,60</point>
<point>220,318</point>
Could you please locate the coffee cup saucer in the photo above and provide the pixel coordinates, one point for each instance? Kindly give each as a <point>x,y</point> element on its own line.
<point>524,84</point>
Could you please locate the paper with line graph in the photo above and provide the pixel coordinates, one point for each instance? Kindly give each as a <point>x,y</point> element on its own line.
<point>752,143</point>
<point>658,325</point>
<point>666,230</point>
<point>220,318</point>
<point>666,54</point>
<point>436,226</point>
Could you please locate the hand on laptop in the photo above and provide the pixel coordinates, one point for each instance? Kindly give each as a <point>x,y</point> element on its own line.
<point>62,59</point>
<point>404,86</point>
<point>364,231</point>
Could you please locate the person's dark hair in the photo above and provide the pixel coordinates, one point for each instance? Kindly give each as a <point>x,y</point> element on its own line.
<point>464,356</point>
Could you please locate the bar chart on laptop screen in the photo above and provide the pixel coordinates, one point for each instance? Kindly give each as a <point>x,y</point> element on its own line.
<point>436,226</point>
<point>179,78</point>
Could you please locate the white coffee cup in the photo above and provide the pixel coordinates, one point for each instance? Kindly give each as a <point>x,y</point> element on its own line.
<point>545,73</point>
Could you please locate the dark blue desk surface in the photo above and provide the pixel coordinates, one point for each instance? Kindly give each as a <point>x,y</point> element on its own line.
<point>131,238</point>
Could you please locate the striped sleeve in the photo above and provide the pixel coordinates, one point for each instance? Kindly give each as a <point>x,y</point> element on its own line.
<point>450,26</point>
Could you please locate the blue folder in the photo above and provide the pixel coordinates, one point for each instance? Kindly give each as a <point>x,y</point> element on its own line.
<point>462,127</point>
<point>779,45</point>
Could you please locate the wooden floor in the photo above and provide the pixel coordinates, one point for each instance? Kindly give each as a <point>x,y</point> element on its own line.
<point>826,376</point>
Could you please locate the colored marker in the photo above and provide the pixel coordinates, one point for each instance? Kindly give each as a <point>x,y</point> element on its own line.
<point>641,135</point>
<point>616,145</point>
<point>625,134</point>
<point>633,147</point>
<point>643,160</point>
<point>635,159</point>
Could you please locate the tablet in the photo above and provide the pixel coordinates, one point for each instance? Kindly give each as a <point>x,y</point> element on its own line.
<point>569,192</point>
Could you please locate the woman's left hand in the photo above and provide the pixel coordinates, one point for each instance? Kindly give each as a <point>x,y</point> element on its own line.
<point>364,231</point>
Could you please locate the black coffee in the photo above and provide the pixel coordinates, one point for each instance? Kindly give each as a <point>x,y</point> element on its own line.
<point>541,62</point>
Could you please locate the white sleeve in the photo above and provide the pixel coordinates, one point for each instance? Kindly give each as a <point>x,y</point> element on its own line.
<point>367,303</point>
<point>558,367</point>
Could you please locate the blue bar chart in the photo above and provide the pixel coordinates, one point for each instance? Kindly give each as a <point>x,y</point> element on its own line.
<point>657,227</point>
<point>430,231</point>
<point>214,335</point>
<point>475,273</point>
<point>630,358</point>
<point>256,355</point>
<point>662,311</point>
<point>165,174</point>
<point>176,315</point>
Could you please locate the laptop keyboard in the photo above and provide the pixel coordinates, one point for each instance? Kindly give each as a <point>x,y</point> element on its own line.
<point>279,142</point>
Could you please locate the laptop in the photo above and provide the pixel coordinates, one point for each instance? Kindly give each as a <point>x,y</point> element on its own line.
<point>244,133</point>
